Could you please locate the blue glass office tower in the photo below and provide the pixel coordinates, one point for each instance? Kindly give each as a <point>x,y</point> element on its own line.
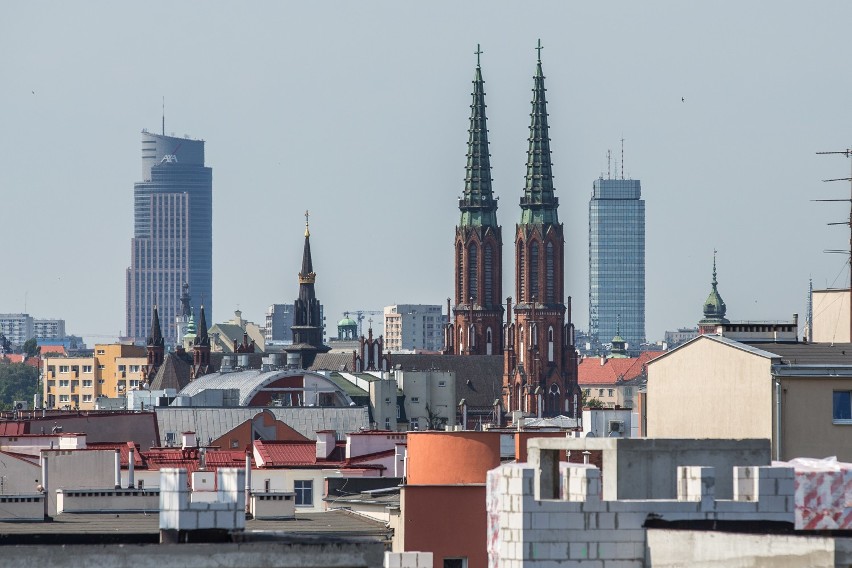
<point>617,262</point>
<point>173,234</point>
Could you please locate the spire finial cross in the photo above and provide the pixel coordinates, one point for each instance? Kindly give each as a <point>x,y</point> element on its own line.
<point>538,49</point>
<point>478,52</point>
<point>307,230</point>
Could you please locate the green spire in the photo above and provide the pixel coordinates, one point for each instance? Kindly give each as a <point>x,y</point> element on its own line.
<point>619,346</point>
<point>190,325</point>
<point>714,306</point>
<point>478,207</point>
<point>538,205</point>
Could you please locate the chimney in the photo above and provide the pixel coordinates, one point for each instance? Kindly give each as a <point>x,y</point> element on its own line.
<point>187,440</point>
<point>131,452</point>
<point>326,441</point>
<point>603,360</point>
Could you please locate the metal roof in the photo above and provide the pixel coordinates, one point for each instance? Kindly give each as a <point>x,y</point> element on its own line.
<point>216,422</point>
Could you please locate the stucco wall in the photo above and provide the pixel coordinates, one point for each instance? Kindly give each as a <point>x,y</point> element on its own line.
<point>464,457</point>
<point>707,389</point>
<point>831,316</point>
<point>806,414</point>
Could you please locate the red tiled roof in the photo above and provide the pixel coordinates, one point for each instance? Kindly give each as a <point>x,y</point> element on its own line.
<point>159,458</point>
<point>286,453</point>
<point>13,357</point>
<point>58,349</point>
<point>591,372</point>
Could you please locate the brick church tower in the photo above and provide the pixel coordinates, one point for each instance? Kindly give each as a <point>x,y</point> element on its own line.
<point>476,325</point>
<point>540,361</point>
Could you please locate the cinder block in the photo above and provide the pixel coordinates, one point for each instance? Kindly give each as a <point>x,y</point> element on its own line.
<point>579,551</point>
<point>630,520</point>
<point>207,520</point>
<point>392,560</point>
<point>772,504</point>
<point>606,520</point>
<point>225,520</point>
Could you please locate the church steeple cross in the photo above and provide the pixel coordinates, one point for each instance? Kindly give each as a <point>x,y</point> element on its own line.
<point>307,230</point>
<point>538,49</point>
<point>478,52</point>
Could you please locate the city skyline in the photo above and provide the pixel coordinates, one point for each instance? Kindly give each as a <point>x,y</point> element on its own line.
<point>714,123</point>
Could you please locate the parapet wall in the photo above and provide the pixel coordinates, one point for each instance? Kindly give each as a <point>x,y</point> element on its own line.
<point>548,510</point>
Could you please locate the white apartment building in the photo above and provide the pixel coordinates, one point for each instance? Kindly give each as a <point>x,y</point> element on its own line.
<point>16,327</point>
<point>49,328</point>
<point>414,326</point>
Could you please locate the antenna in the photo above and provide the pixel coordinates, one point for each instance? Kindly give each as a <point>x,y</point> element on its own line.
<point>164,115</point>
<point>848,154</point>
<point>608,161</point>
<point>622,157</point>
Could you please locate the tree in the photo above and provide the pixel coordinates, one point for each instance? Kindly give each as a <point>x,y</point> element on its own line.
<point>434,422</point>
<point>31,348</point>
<point>589,402</point>
<point>5,344</point>
<point>17,382</point>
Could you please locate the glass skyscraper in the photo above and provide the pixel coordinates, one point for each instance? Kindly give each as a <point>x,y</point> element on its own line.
<point>617,262</point>
<point>173,234</point>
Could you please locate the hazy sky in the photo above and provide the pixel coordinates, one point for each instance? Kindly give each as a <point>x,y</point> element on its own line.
<point>359,112</point>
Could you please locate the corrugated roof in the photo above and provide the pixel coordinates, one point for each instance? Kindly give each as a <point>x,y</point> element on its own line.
<point>216,422</point>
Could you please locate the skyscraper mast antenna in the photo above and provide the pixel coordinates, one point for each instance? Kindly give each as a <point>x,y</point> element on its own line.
<point>164,115</point>
<point>622,157</point>
<point>847,153</point>
<point>608,163</point>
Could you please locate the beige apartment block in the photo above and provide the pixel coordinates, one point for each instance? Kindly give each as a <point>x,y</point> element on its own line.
<point>74,383</point>
<point>798,395</point>
<point>831,316</point>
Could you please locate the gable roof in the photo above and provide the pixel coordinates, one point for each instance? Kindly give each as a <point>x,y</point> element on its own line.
<point>592,372</point>
<point>172,374</point>
<point>753,349</point>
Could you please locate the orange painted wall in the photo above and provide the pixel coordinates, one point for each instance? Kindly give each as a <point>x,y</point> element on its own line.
<point>446,458</point>
<point>242,434</point>
<point>521,441</point>
<point>447,521</point>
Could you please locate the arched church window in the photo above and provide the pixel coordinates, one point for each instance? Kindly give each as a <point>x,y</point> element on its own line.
<point>489,277</point>
<point>534,269</point>
<point>472,272</point>
<point>549,274</point>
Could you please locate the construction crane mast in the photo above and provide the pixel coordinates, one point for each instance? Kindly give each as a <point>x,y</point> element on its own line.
<point>359,317</point>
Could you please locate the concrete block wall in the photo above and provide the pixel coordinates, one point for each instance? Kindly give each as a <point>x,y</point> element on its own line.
<point>179,512</point>
<point>22,507</point>
<point>408,560</point>
<point>581,528</point>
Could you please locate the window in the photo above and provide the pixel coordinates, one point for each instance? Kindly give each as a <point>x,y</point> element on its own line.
<point>442,383</point>
<point>101,352</point>
<point>600,392</point>
<point>610,393</point>
<point>472,272</point>
<point>548,273</point>
<point>304,490</point>
<point>455,562</point>
<point>101,367</point>
<point>134,383</point>
<point>134,368</point>
<point>122,368</point>
<point>841,407</point>
<point>628,391</point>
<point>63,368</point>
<point>489,277</point>
<point>534,270</point>
<point>397,412</point>
<point>87,383</point>
<point>387,400</point>
<point>415,399</point>
<point>87,398</point>
<point>87,368</point>
<point>64,383</point>
<point>387,424</point>
<point>63,398</point>
<point>587,392</point>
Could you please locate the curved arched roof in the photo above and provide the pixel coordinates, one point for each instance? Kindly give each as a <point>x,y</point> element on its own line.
<point>250,382</point>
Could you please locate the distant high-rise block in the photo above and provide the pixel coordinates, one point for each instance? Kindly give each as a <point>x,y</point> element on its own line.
<point>617,262</point>
<point>173,234</point>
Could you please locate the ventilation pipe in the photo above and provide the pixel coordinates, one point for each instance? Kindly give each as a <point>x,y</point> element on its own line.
<point>131,451</point>
<point>118,469</point>
<point>248,482</point>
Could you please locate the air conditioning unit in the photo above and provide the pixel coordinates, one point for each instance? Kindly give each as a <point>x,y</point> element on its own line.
<point>20,405</point>
<point>616,426</point>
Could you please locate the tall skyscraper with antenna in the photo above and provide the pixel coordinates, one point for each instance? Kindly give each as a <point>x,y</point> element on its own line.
<point>617,260</point>
<point>172,234</point>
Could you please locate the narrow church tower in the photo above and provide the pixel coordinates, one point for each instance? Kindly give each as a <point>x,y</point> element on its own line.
<point>307,317</point>
<point>201,348</point>
<point>476,326</point>
<point>156,346</point>
<point>540,362</point>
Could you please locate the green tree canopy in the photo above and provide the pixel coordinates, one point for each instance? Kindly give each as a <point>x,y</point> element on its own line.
<point>17,382</point>
<point>31,348</point>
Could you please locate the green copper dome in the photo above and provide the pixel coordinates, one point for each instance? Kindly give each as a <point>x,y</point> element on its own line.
<point>619,345</point>
<point>347,322</point>
<point>190,326</point>
<point>714,306</point>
